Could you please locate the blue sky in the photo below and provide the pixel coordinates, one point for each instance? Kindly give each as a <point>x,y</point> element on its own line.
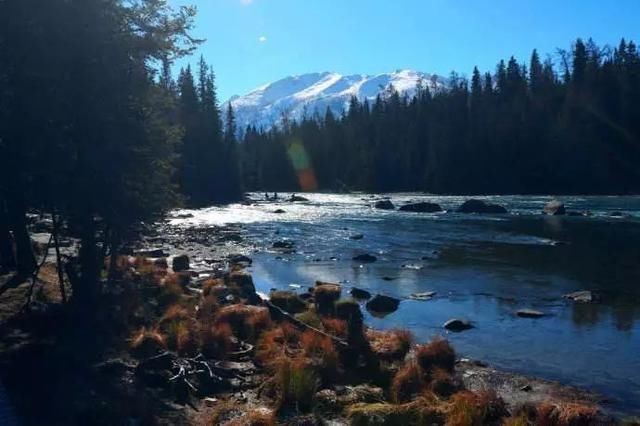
<point>253,42</point>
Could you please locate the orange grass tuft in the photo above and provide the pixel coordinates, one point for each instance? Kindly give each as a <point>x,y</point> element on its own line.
<point>436,354</point>
<point>390,345</point>
<point>408,382</point>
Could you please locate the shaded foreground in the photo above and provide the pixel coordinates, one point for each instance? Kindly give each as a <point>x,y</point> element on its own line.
<point>170,348</point>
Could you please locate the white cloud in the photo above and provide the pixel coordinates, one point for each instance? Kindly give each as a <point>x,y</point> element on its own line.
<point>262,39</point>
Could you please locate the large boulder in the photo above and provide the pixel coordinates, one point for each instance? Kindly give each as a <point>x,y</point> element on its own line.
<point>384,205</point>
<point>180,263</point>
<point>383,304</point>
<point>295,197</point>
<point>423,207</point>
<point>554,208</point>
<point>479,206</point>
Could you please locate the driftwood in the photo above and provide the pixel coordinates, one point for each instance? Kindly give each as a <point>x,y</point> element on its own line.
<point>303,325</point>
<point>187,367</point>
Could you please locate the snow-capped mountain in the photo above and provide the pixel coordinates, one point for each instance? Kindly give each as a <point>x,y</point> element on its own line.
<point>295,96</point>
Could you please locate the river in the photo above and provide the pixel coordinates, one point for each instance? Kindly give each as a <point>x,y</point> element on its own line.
<point>482,267</point>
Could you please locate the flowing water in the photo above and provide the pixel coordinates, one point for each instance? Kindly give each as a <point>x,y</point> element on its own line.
<point>482,268</point>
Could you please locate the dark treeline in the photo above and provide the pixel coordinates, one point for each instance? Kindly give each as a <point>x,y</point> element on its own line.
<point>96,134</point>
<point>207,162</point>
<point>535,128</point>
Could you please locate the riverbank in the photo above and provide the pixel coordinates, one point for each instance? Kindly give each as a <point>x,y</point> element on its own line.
<point>262,366</point>
<point>151,359</point>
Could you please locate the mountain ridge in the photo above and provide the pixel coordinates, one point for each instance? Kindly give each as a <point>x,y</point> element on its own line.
<point>294,96</point>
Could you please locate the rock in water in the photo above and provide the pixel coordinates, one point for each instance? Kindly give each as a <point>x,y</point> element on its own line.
<point>426,295</point>
<point>360,294</point>
<point>279,211</point>
<point>421,208</point>
<point>180,263</point>
<point>365,258</point>
<point>384,205</point>
<point>383,304</point>
<point>295,197</point>
<point>529,313</point>
<point>240,258</point>
<point>356,237</point>
<point>283,244</point>
<point>582,296</point>
<point>157,252</point>
<point>457,325</point>
<point>479,206</point>
<point>554,208</point>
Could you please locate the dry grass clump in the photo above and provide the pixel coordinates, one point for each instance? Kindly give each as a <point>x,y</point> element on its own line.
<point>209,285</point>
<point>270,346</point>
<point>475,408</point>
<point>297,383</point>
<point>171,289</point>
<point>277,342</point>
<point>310,317</point>
<point>216,341</point>
<point>436,354</point>
<point>408,382</point>
<point>147,342</point>
<point>441,382</point>
<point>181,279</point>
<point>335,327</point>
<point>255,417</point>
<point>246,321</point>
<point>288,301</point>
<point>422,411</point>
<point>323,352</point>
<point>207,309</point>
<point>519,420</point>
<point>566,414</point>
<point>181,330</point>
<point>390,345</point>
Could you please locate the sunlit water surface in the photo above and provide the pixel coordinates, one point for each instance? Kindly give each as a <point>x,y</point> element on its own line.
<point>483,268</point>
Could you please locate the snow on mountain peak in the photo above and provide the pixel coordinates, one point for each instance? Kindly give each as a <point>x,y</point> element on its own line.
<point>312,93</point>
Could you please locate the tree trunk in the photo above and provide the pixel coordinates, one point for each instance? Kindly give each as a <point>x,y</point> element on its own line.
<point>85,284</point>
<point>7,258</point>
<point>56,234</point>
<point>114,242</point>
<point>25,259</point>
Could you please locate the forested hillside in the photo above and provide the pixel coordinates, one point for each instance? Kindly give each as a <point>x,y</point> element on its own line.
<point>572,126</point>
